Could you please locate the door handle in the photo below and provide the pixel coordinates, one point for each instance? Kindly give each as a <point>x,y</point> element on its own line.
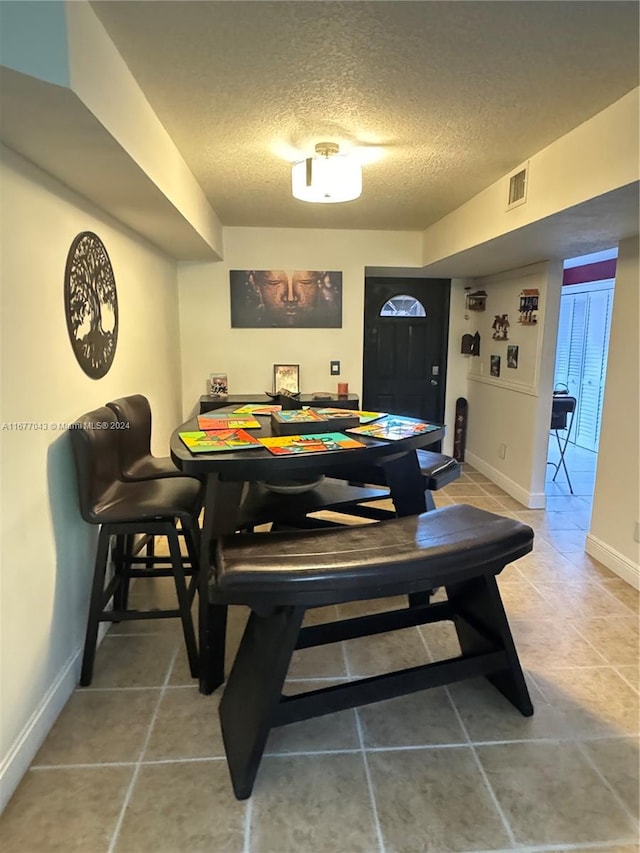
<point>434,382</point>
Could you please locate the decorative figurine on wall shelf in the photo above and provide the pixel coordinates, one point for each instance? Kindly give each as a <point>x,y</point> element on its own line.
<point>528,307</point>
<point>501,327</point>
<point>477,301</point>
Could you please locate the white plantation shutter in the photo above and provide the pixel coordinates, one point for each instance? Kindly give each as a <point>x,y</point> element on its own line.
<point>581,357</point>
<point>594,369</point>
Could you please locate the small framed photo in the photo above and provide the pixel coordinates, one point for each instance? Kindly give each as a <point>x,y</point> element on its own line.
<point>495,365</point>
<point>512,356</point>
<point>286,377</point>
<point>218,385</point>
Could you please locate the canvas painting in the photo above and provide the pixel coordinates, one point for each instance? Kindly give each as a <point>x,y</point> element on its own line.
<point>286,299</point>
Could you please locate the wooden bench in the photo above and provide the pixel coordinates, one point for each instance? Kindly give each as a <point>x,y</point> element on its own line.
<point>281,575</point>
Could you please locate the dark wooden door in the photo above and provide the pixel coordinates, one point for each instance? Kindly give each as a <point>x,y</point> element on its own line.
<point>405,355</point>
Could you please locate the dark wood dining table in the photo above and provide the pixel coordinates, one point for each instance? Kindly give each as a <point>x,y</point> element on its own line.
<point>226,475</point>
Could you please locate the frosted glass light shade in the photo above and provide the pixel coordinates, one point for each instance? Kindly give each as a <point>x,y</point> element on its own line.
<point>326,180</point>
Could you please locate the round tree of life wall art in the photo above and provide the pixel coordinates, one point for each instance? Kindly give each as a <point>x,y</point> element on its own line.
<point>91,304</point>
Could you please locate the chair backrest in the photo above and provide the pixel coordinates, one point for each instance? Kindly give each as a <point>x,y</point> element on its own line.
<point>95,449</point>
<point>136,438</point>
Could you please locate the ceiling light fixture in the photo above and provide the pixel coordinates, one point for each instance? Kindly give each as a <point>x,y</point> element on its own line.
<point>328,177</point>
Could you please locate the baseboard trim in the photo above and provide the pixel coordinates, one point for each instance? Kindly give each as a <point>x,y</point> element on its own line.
<point>532,500</point>
<point>613,560</point>
<point>18,759</point>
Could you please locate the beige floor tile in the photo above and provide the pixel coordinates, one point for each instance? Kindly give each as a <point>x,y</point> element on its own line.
<point>441,500</point>
<point>594,700</point>
<point>182,807</point>
<point>434,800</point>
<point>584,561</point>
<point>575,600</point>
<point>617,639</point>
<point>71,810</point>
<point>560,521</point>
<point>141,661</point>
<point>552,643</point>
<point>624,592</point>
<point>420,719</point>
<point>522,601</point>
<point>441,639</point>
<point>510,503</point>
<point>488,716</point>
<point>488,503</point>
<point>330,732</point>
<point>464,490</point>
<point>186,726</point>
<point>618,760</point>
<point>631,674</point>
<point>551,567</point>
<point>312,804</point>
<point>318,662</point>
<point>385,652</point>
<point>571,804</point>
<point>494,490</point>
<point>565,541</point>
<point>476,476</point>
<point>124,718</point>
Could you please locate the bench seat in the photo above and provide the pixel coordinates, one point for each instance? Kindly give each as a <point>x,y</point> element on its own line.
<point>281,575</point>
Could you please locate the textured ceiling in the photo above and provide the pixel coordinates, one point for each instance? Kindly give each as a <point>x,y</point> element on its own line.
<point>443,97</point>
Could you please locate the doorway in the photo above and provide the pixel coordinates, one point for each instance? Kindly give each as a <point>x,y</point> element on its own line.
<point>406,324</point>
<point>580,372</point>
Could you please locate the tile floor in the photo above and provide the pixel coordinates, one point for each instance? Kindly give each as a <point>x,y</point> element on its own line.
<point>135,763</point>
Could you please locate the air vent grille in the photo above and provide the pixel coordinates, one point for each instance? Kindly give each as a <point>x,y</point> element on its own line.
<point>518,186</point>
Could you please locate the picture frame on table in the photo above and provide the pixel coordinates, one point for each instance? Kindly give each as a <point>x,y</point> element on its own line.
<point>218,385</point>
<point>286,377</point>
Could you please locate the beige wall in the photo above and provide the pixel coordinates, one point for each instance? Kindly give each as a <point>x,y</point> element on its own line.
<point>247,355</point>
<point>616,506</point>
<point>46,550</point>
<point>514,409</point>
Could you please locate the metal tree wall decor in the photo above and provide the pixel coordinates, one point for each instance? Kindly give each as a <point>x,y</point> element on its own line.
<point>91,304</point>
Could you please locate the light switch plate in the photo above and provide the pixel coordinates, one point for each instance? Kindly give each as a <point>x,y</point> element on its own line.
<point>335,368</point>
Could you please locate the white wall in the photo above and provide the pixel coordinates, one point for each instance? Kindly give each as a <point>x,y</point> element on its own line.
<point>209,343</point>
<point>514,409</point>
<point>616,503</point>
<point>47,551</point>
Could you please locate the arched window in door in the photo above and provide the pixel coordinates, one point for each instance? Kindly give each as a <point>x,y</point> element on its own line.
<point>403,306</point>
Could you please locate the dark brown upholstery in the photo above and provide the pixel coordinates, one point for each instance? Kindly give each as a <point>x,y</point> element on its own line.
<point>124,510</point>
<point>136,461</point>
<point>437,469</point>
<point>282,575</point>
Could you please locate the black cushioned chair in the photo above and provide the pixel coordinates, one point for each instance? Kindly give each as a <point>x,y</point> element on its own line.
<point>282,575</point>
<point>124,510</point>
<point>136,460</point>
<point>438,470</point>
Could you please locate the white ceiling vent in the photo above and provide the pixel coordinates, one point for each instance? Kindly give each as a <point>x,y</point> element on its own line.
<point>518,183</point>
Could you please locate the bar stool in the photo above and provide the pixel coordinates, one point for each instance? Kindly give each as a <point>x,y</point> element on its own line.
<point>136,460</point>
<point>124,510</point>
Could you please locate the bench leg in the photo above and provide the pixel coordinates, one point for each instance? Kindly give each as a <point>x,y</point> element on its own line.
<point>253,691</point>
<point>481,622</point>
